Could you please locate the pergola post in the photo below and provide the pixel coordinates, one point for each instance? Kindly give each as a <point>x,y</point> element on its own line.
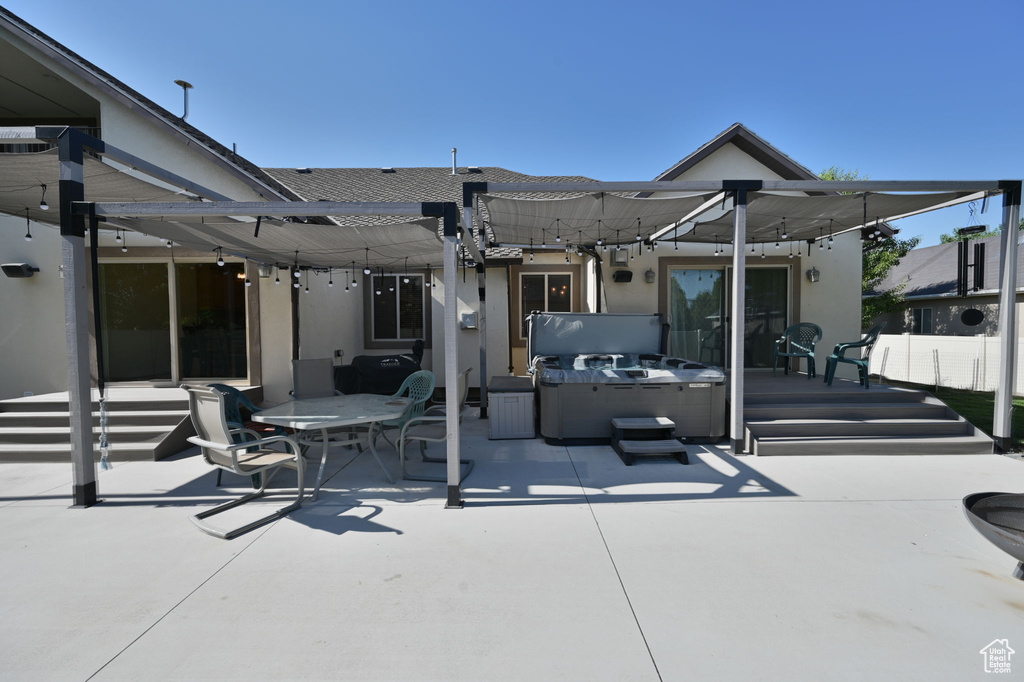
<point>76,318</point>
<point>738,308</point>
<point>1002,427</point>
<point>451,354</point>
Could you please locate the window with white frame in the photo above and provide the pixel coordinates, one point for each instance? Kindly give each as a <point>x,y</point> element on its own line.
<point>397,307</point>
<point>922,321</point>
<point>549,292</point>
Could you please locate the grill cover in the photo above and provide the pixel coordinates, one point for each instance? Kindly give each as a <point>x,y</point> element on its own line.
<point>381,374</point>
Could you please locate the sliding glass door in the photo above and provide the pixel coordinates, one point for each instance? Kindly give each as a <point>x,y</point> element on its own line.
<point>698,306</point>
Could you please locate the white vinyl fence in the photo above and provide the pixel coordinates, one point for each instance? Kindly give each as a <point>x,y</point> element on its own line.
<point>969,362</point>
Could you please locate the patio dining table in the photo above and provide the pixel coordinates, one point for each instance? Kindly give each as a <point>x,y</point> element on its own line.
<point>335,411</point>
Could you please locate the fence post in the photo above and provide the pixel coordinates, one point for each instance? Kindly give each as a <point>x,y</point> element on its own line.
<point>938,379</point>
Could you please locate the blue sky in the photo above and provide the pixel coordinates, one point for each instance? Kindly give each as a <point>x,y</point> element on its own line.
<point>894,90</point>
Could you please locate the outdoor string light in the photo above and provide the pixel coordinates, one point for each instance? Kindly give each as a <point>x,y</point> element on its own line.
<point>791,249</point>
<point>170,244</point>
<point>638,235</point>
<point>124,244</point>
<point>220,258</point>
<point>117,236</point>
<point>307,281</point>
<point>784,235</point>
<point>558,229</point>
<point>43,206</point>
<point>405,280</point>
<point>28,227</point>
<point>366,268</point>
<point>277,273</point>
<point>354,282</point>
<point>330,277</point>
<point>830,233</point>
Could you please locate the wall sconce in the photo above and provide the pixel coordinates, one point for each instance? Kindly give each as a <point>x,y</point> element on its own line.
<point>813,275</point>
<point>265,271</point>
<point>649,276</point>
<point>19,269</point>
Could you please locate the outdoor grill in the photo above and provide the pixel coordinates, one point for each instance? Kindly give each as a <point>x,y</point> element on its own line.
<point>589,368</point>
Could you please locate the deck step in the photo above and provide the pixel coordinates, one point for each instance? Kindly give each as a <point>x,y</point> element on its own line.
<point>858,427</point>
<point>875,445</point>
<point>63,418</point>
<point>50,434</point>
<point>61,452</point>
<point>629,423</point>
<point>887,394</point>
<point>862,410</point>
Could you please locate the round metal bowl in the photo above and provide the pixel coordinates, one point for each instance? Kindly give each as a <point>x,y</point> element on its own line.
<point>1000,518</point>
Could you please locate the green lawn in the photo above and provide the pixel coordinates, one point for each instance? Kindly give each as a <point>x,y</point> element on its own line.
<point>977,408</point>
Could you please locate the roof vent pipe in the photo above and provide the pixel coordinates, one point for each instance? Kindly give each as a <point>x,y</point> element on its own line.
<point>455,169</point>
<point>186,86</point>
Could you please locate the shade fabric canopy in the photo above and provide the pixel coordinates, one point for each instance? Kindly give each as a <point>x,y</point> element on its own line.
<point>379,241</point>
<point>392,246</point>
<point>699,218</point>
<point>613,219</point>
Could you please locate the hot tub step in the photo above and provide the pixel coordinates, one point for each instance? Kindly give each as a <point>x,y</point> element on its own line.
<point>628,450</point>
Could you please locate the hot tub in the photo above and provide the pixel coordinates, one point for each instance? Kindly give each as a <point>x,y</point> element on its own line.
<point>589,368</point>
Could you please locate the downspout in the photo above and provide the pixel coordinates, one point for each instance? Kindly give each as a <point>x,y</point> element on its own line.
<point>508,291</point>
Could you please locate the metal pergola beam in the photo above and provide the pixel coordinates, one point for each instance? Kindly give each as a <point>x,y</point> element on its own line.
<point>178,209</point>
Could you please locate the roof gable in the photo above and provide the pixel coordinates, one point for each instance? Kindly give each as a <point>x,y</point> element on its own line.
<point>237,165</point>
<point>751,144</point>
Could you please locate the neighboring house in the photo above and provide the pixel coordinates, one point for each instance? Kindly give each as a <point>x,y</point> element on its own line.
<point>929,276</point>
<point>171,314</point>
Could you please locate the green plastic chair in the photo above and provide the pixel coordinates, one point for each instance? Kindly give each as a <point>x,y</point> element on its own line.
<point>234,401</point>
<point>838,355</point>
<point>801,337</point>
<point>419,386</point>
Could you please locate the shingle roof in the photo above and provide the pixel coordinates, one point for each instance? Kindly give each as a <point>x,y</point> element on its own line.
<point>167,117</point>
<point>405,184</point>
<point>931,270</point>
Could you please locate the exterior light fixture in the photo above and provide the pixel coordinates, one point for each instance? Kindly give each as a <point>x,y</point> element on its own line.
<point>649,276</point>
<point>43,206</point>
<point>220,258</point>
<point>117,236</point>
<point>28,227</point>
<point>813,275</point>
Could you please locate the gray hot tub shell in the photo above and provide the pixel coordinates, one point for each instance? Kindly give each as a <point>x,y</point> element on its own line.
<point>592,367</point>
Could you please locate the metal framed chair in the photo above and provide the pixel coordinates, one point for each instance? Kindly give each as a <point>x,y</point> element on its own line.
<point>801,337</point>
<point>838,355</point>
<point>234,401</point>
<point>432,427</point>
<point>313,378</point>
<point>247,458</point>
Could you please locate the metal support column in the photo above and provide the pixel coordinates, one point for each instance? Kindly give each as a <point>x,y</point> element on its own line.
<point>1002,427</point>
<point>451,353</point>
<point>481,285</point>
<point>737,316</point>
<point>76,318</point>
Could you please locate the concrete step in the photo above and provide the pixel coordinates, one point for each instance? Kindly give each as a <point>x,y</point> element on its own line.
<point>61,434</point>
<point>57,405</point>
<point>125,451</point>
<point>124,418</point>
<point>877,445</point>
<point>625,423</point>
<point>863,410</point>
<point>858,427</point>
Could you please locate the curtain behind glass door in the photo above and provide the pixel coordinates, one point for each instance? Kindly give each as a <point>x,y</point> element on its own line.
<point>211,311</point>
<point>136,318</point>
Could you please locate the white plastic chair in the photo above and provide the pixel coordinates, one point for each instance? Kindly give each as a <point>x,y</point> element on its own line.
<point>247,458</point>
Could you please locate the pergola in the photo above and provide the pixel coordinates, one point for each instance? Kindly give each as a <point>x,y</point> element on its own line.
<point>740,212</point>
<point>392,234</point>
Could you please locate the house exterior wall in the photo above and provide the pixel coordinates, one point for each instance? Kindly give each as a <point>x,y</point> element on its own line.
<point>946,314</point>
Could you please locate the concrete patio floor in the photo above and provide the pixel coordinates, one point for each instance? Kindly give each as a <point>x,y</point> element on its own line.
<point>565,564</point>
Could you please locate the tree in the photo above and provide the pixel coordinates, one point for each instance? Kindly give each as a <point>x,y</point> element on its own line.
<point>878,257</point>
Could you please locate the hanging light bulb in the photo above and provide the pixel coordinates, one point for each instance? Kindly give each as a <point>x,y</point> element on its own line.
<point>170,244</point>
<point>558,230</point>
<point>307,281</point>
<point>330,277</point>
<point>296,284</point>
<point>248,282</point>
<point>124,244</point>
<point>776,237</point>
<point>277,274</point>
<point>43,206</point>
<point>28,227</point>
<point>220,258</point>
<point>830,233</point>
<point>638,235</point>
<point>117,237</point>
<point>762,250</point>
<point>784,235</point>
<point>405,280</point>
<point>791,249</point>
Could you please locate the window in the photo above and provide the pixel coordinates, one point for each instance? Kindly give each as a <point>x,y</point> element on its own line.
<point>397,308</point>
<point>922,321</point>
<point>546,292</point>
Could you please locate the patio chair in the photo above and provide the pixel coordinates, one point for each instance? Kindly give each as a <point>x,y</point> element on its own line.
<point>838,355</point>
<point>419,386</point>
<point>313,378</point>
<point>801,337</point>
<point>234,401</point>
<point>217,443</point>
<point>432,427</point>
